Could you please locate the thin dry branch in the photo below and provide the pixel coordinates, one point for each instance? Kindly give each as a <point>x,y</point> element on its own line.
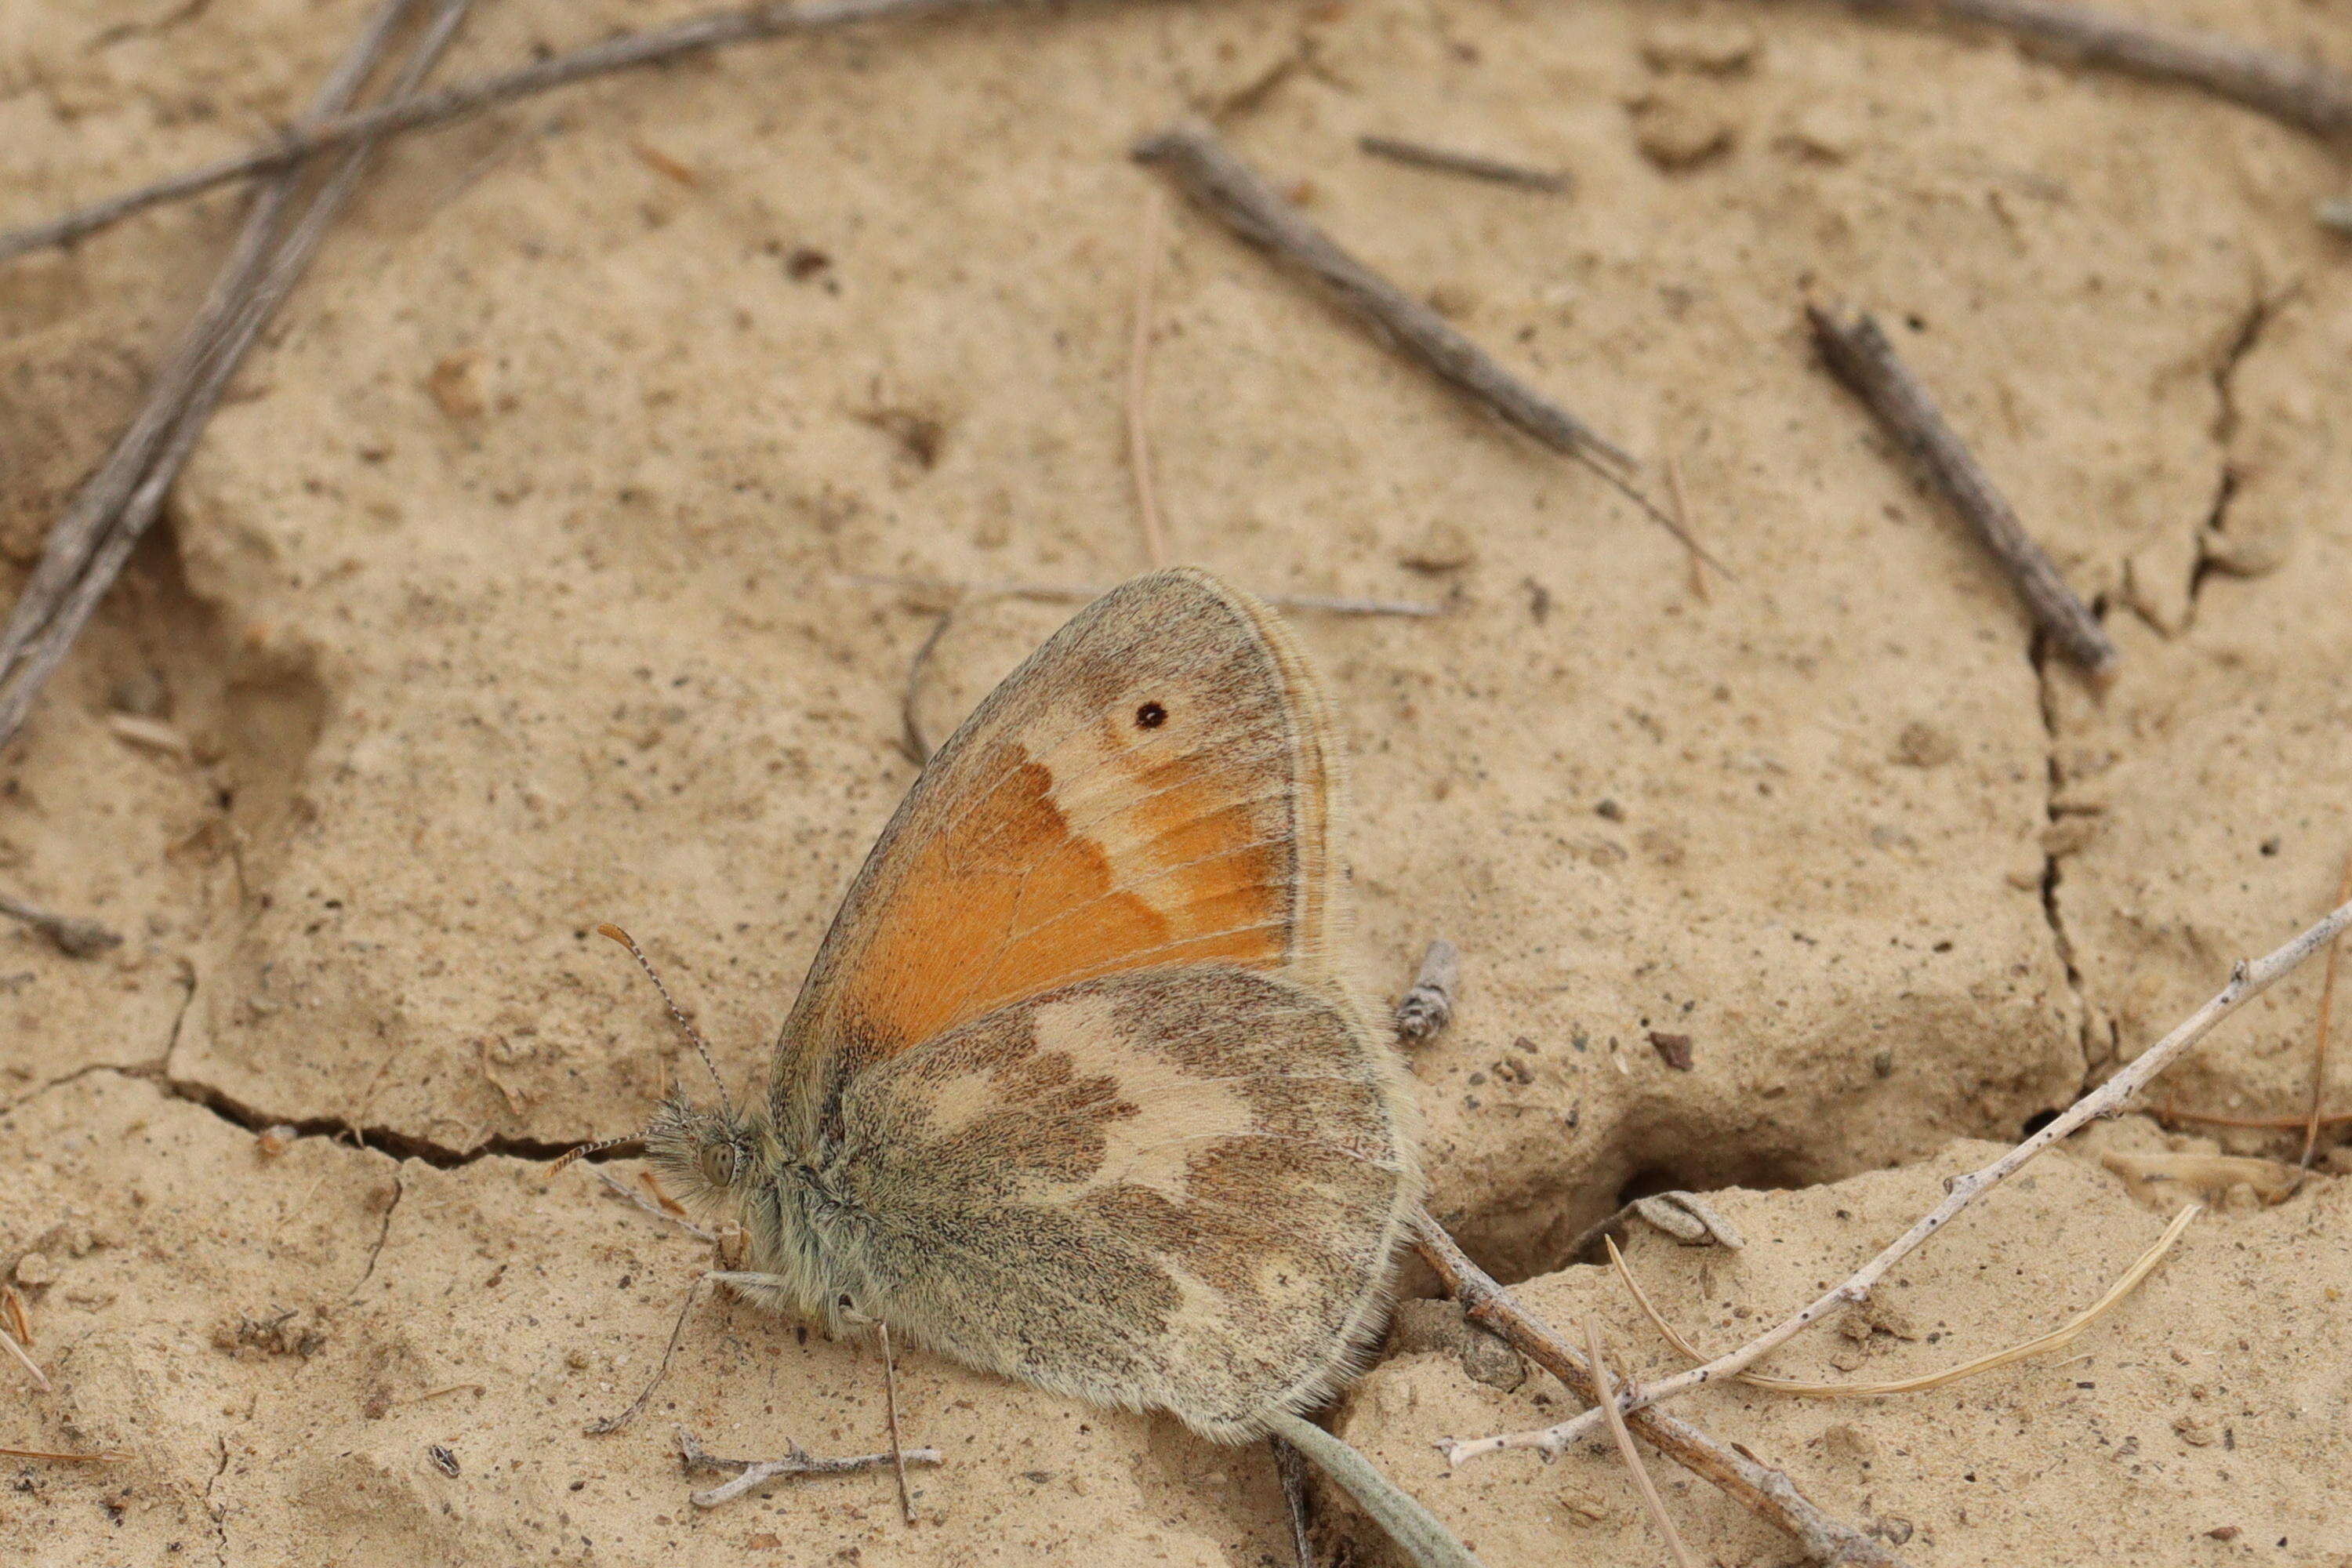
<point>606,1424</point>
<point>2297,93</point>
<point>40,1379</point>
<point>2319,1041</point>
<point>1290,1468</point>
<point>88,547</point>
<point>2246,981</point>
<point>1139,386</point>
<point>1446,160</point>
<point>102,1457</point>
<point>2256,1124</point>
<point>1764,1491</point>
<point>81,535</point>
<point>898,1449</point>
<point>1688,1217</point>
<point>640,1200</point>
<point>911,739</point>
<point>797,1461</point>
<point>2057,1339</point>
<point>1606,1393</point>
<point>74,937</point>
<point>12,1307</point>
<point>1075,592</point>
<point>76,533</point>
<point>1859,354</point>
<point>1428,1006</point>
<point>1233,192</point>
<point>629,51</point>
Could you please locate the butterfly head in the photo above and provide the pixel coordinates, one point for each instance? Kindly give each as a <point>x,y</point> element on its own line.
<point>703,1155</point>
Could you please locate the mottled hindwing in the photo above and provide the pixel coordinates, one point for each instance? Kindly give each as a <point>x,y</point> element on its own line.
<point>1150,788</point>
<point>1172,1188</point>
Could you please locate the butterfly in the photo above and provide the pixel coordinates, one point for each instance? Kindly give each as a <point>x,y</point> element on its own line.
<point>1074,1090</point>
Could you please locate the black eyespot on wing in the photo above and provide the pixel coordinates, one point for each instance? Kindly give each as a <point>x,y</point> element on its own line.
<point>1150,716</point>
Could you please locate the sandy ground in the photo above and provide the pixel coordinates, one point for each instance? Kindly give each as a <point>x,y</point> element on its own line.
<point>527,581</point>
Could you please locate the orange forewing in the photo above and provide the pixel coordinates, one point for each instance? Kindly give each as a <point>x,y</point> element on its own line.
<point>1037,902</point>
<point>1150,789</point>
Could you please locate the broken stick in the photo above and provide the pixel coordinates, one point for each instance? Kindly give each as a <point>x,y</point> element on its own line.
<point>1861,357</point>
<point>74,937</point>
<point>2297,93</point>
<point>629,51</point>
<point>1232,189</point>
<point>797,1461</point>
<point>1428,1007</point>
<point>92,543</point>
<point>1764,1491</point>
<point>2247,981</point>
<point>1477,166</point>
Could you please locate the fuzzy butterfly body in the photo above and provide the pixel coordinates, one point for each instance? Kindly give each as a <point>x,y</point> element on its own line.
<point>1074,1091</point>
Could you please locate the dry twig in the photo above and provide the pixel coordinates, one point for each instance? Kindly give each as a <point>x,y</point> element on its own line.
<point>1139,380</point>
<point>90,546</point>
<point>2319,1042</point>
<point>106,1457</point>
<point>891,1394</point>
<point>2057,1339</point>
<point>650,1206</point>
<point>1687,1217</point>
<point>12,1307</point>
<point>1072,593</point>
<point>101,496</point>
<point>1232,189</point>
<point>443,1393</point>
<point>797,1461</point>
<point>1446,160</point>
<point>82,535</point>
<point>1860,355</point>
<point>2168,1172</point>
<point>1606,1393</point>
<point>911,739</point>
<point>1428,1006</point>
<point>73,937</point>
<point>604,1424</point>
<point>2246,981</point>
<point>629,51</point>
<point>2297,92</point>
<point>1756,1487</point>
<point>1683,517</point>
<point>2258,1123</point>
<point>1290,1468</point>
<point>40,1379</point>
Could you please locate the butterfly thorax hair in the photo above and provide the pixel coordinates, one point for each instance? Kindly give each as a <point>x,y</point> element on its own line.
<point>732,1165</point>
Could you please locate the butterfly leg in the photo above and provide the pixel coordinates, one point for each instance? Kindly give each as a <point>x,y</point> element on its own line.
<point>755,1281</point>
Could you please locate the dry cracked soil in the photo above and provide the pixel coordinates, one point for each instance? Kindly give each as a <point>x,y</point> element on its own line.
<point>560,555</point>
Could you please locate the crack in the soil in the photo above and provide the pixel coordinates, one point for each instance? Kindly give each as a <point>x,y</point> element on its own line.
<point>150,1069</point>
<point>388,1140</point>
<point>219,1515</point>
<point>384,1140</point>
<point>399,1191</point>
<point>2042,653</point>
<point>2259,314</point>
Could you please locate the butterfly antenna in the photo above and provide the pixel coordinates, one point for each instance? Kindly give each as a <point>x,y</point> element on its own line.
<point>582,1151</point>
<point>701,1047</point>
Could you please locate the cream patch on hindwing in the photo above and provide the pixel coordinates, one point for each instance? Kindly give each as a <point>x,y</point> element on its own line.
<point>1159,1116</point>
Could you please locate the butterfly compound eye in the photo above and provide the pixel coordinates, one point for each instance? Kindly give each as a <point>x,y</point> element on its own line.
<point>718,1164</point>
<point>1150,716</point>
